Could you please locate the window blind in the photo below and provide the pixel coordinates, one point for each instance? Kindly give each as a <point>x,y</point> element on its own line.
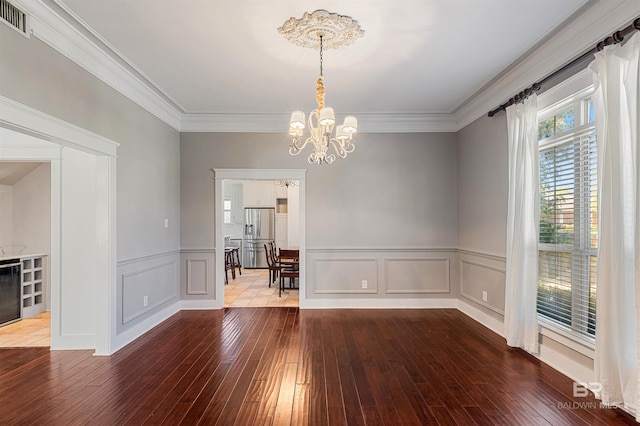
<point>568,229</point>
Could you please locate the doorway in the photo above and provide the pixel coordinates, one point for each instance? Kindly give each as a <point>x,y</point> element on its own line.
<point>82,200</point>
<point>220,175</point>
<point>25,239</point>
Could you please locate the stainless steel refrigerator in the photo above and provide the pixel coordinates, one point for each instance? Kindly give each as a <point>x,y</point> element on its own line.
<point>259,229</point>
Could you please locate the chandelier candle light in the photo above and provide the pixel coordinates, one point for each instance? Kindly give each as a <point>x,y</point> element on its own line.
<point>320,30</point>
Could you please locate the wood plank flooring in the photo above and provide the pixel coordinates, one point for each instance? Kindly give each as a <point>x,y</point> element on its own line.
<point>281,366</point>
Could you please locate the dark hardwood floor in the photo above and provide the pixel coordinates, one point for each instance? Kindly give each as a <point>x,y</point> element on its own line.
<point>283,366</point>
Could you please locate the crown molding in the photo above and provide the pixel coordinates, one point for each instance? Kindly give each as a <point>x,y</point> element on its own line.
<point>14,115</point>
<point>66,37</point>
<point>69,37</point>
<point>71,40</point>
<point>580,35</point>
<point>278,123</point>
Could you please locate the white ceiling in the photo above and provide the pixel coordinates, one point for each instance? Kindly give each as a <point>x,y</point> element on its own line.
<point>227,57</point>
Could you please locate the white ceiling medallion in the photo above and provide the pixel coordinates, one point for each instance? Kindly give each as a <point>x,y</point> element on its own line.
<point>336,30</point>
<point>318,30</point>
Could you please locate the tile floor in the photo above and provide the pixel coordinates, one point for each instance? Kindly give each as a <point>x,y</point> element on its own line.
<point>250,289</point>
<point>32,331</point>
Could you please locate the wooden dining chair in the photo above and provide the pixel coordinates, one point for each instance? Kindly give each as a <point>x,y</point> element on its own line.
<point>289,267</point>
<point>274,252</point>
<point>292,273</point>
<point>274,267</point>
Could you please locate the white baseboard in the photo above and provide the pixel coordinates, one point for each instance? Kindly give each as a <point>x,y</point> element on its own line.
<point>378,303</point>
<point>191,305</point>
<point>488,321</point>
<point>131,334</point>
<point>73,342</point>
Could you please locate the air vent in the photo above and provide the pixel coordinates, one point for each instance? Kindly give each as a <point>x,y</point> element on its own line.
<point>14,17</point>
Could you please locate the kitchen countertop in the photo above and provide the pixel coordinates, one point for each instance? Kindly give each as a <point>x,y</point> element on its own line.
<point>21,255</point>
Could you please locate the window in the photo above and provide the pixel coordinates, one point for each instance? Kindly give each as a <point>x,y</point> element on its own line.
<point>568,215</point>
<point>227,211</point>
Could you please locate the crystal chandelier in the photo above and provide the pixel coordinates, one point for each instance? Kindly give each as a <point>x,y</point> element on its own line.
<point>319,30</point>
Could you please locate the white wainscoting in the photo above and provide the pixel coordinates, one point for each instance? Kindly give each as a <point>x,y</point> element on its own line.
<point>198,279</point>
<point>390,273</point>
<point>155,278</point>
<point>480,272</point>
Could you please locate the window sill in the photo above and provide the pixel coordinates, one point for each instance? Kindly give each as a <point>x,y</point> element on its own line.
<point>580,344</point>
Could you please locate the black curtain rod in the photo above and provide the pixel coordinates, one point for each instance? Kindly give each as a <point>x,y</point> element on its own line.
<point>615,38</point>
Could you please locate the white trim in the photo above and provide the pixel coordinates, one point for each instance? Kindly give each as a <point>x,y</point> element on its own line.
<point>430,303</point>
<point>576,37</point>
<point>278,123</point>
<point>490,256</point>
<point>381,249</point>
<point>148,257</point>
<point>197,250</point>
<point>260,174</point>
<point>44,126</point>
<point>64,37</point>
<point>106,290</point>
<point>575,87</point>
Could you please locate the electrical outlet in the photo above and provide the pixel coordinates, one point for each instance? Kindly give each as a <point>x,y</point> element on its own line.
<point>364,283</point>
<point>145,301</point>
<point>484,296</point>
<point>166,223</point>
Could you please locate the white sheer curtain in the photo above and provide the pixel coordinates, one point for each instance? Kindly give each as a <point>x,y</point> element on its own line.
<point>521,318</point>
<point>615,100</point>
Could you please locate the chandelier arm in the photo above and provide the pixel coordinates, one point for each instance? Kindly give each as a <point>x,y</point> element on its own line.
<point>349,146</point>
<point>298,146</point>
<point>337,146</point>
<point>342,148</point>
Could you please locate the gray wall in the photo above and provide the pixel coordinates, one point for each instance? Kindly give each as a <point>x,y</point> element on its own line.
<point>385,214</point>
<point>395,190</point>
<point>148,176</point>
<point>483,185</point>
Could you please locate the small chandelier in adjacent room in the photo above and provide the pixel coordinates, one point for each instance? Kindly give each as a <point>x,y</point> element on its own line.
<point>285,183</point>
<point>320,30</point>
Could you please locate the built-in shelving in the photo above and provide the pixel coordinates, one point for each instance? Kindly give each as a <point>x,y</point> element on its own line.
<point>33,300</point>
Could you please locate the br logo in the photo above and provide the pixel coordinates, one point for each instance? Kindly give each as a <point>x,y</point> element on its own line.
<point>581,389</point>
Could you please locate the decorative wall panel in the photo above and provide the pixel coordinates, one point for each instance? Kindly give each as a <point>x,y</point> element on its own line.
<point>477,277</point>
<point>197,276</point>
<point>417,275</point>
